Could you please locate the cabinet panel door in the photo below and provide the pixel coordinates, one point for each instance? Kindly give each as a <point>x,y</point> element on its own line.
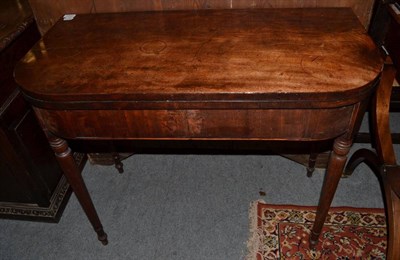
<point>10,188</point>
<point>36,152</point>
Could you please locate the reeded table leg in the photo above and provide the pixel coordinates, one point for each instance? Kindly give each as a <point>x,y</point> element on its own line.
<point>333,174</point>
<point>383,161</point>
<point>66,160</point>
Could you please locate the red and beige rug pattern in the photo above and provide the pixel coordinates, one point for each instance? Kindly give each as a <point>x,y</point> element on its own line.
<point>282,232</point>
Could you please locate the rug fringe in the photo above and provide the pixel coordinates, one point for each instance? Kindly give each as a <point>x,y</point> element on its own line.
<point>254,241</point>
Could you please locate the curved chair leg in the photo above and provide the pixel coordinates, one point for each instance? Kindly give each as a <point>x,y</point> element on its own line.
<point>362,155</point>
<point>389,176</point>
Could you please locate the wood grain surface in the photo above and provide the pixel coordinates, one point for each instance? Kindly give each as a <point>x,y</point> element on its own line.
<point>272,55</point>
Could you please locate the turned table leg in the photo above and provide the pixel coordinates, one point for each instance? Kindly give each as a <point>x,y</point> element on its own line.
<point>333,174</point>
<point>66,160</point>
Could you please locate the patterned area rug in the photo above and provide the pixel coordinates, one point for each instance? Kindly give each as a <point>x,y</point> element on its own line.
<point>282,232</point>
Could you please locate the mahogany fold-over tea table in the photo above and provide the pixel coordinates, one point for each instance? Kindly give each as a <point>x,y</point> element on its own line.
<point>259,74</point>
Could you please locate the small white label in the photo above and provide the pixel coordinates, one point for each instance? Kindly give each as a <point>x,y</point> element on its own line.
<point>395,9</point>
<point>68,17</point>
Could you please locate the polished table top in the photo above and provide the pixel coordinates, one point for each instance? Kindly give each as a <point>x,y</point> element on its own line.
<point>266,74</point>
<point>246,55</point>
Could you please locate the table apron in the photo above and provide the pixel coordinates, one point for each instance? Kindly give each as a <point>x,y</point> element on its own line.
<point>268,124</point>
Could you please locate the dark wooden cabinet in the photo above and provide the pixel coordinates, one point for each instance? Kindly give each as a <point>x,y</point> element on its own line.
<point>32,186</point>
